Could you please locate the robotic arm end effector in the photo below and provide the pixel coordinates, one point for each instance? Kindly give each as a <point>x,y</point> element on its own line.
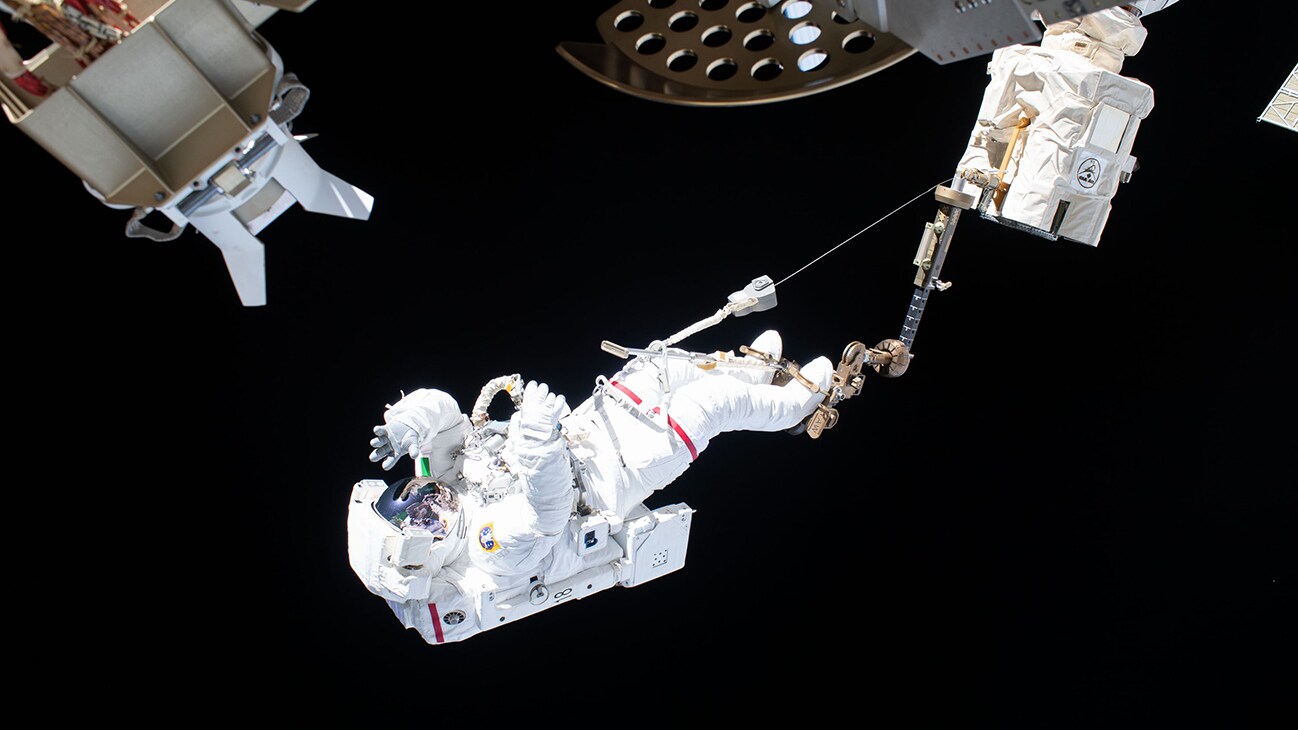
<point>890,358</point>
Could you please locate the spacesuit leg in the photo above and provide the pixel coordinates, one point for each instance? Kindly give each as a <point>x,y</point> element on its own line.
<point>710,406</point>
<point>645,375</point>
<point>648,449</point>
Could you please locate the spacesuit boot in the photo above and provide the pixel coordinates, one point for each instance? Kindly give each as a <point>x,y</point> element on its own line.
<point>819,371</point>
<point>770,343</point>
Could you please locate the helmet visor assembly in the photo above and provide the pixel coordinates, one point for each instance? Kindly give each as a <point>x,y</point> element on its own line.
<point>420,503</point>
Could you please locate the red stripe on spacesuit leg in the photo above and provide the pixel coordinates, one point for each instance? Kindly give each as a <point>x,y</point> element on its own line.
<point>437,623</point>
<point>626,390</point>
<point>694,454</point>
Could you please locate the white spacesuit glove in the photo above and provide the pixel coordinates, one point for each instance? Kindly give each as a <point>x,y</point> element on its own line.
<point>392,441</point>
<point>425,422</point>
<point>539,414</point>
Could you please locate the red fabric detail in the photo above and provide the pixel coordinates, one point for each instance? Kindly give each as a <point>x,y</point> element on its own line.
<point>32,84</point>
<point>437,623</point>
<point>626,390</point>
<point>694,454</point>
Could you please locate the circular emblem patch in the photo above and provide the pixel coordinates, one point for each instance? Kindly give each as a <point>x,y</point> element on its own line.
<point>1088,173</point>
<point>487,537</point>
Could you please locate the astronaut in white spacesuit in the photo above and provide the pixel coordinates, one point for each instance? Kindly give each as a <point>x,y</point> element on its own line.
<point>492,516</point>
<point>1057,124</point>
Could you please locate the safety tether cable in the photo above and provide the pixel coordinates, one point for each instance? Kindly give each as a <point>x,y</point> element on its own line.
<point>863,230</point>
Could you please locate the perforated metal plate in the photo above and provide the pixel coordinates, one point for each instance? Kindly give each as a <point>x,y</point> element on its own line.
<point>731,52</point>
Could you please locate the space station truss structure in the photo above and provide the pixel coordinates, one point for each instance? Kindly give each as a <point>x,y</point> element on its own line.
<point>1283,109</point>
<point>189,116</point>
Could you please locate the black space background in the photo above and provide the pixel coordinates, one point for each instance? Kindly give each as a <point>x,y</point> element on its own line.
<point>1075,509</point>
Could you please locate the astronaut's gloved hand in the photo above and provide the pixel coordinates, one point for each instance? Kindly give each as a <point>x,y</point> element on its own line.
<point>539,413</point>
<point>899,361</point>
<point>392,441</point>
<point>424,423</point>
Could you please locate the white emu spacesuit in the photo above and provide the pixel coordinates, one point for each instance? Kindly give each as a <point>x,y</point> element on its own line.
<point>491,525</point>
<point>1057,124</point>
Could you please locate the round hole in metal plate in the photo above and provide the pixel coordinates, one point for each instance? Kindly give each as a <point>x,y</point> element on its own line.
<point>750,12</point>
<point>629,21</point>
<point>795,9</point>
<point>804,33</point>
<point>759,40</point>
<point>858,41</point>
<point>717,36</point>
<point>682,61</point>
<point>650,43</point>
<point>683,21</point>
<point>812,60</point>
<point>767,69</point>
<point>722,69</point>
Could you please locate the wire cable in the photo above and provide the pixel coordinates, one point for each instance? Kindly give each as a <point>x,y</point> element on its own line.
<point>863,230</point>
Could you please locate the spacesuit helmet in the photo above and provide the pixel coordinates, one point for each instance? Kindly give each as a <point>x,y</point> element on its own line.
<point>420,506</point>
<point>422,503</point>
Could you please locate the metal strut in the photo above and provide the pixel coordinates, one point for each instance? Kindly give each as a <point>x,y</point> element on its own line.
<point>933,248</point>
